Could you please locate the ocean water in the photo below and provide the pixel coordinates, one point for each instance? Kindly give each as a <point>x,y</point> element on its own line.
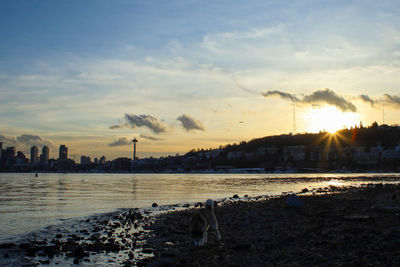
<point>29,203</point>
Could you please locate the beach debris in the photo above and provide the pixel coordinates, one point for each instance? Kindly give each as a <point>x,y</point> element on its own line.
<point>235,196</point>
<point>154,205</point>
<point>293,201</point>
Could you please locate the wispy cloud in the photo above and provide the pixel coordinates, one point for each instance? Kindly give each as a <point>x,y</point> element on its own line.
<point>328,96</point>
<point>387,99</point>
<point>25,141</point>
<point>392,100</point>
<point>283,95</point>
<point>323,96</point>
<point>189,123</point>
<point>369,100</point>
<point>28,138</point>
<point>8,141</point>
<point>243,88</point>
<point>120,142</point>
<point>112,127</point>
<point>138,121</point>
<point>149,137</point>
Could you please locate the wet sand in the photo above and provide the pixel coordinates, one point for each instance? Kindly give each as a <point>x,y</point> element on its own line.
<point>333,227</point>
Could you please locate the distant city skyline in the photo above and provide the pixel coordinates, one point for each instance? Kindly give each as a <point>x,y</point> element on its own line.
<point>178,75</point>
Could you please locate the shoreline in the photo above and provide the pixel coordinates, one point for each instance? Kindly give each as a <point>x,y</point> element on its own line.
<point>234,171</point>
<point>249,226</point>
<point>347,226</point>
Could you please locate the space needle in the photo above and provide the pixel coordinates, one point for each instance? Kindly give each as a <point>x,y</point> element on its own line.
<point>134,141</point>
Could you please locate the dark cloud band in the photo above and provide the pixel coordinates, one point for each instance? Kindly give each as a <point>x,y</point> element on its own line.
<point>324,96</point>
<point>190,123</point>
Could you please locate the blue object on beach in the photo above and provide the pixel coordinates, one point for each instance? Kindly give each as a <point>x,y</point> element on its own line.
<point>294,201</point>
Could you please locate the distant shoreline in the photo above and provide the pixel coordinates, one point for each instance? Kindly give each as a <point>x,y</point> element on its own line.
<point>214,172</point>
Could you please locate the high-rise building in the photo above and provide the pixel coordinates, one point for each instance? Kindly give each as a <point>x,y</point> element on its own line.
<point>9,156</point>
<point>63,153</point>
<point>85,160</point>
<point>34,154</point>
<point>10,152</point>
<point>45,154</point>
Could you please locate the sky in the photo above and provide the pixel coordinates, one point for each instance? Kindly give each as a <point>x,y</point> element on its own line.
<point>181,75</point>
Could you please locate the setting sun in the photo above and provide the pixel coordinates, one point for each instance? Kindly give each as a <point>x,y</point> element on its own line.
<point>329,119</point>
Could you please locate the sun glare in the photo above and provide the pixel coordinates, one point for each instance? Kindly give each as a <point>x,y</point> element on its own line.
<point>329,119</point>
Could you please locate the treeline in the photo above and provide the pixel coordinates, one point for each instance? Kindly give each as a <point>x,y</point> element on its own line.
<point>384,135</point>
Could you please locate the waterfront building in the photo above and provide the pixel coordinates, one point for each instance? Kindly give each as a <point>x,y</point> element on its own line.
<point>63,152</point>
<point>10,153</point>
<point>34,154</point>
<point>85,160</point>
<point>44,157</point>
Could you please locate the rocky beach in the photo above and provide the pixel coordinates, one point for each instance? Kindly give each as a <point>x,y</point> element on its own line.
<point>333,226</point>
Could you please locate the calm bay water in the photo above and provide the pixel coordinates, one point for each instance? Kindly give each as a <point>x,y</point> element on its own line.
<point>29,203</point>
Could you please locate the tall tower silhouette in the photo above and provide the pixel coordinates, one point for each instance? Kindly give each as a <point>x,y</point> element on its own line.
<point>294,117</point>
<point>134,148</point>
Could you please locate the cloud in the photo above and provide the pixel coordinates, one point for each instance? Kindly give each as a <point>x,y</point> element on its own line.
<point>146,121</point>
<point>28,138</point>
<point>244,88</point>
<point>7,141</point>
<point>323,96</point>
<point>190,123</point>
<point>112,127</point>
<point>120,142</point>
<point>283,95</point>
<point>25,141</point>
<point>149,137</point>
<point>367,99</point>
<point>329,97</point>
<point>392,100</point>
<point>32,140</point>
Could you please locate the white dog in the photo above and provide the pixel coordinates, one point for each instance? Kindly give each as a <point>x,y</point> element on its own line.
<point>201,221</point>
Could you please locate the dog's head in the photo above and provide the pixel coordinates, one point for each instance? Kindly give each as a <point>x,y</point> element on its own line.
<point>210,203</point>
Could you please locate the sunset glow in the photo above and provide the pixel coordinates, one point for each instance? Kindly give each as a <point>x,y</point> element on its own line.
<point>329,119</point>
<point>176,79</point>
